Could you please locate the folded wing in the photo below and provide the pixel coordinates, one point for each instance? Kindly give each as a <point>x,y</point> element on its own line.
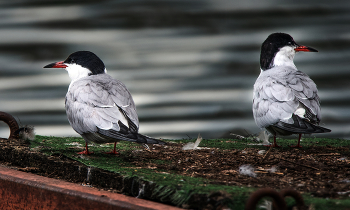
<point>277,97</point>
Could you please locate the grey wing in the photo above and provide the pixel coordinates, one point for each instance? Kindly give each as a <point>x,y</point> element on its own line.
<point>277,99</point>
<point>273,101</point>
<point>305,90</point>
<point>100,103</point>
<point>123,99</point>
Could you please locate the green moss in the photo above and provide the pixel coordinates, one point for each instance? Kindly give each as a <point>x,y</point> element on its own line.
<point>178,187</point>
<point>327,204</point>
<point>248,143</point>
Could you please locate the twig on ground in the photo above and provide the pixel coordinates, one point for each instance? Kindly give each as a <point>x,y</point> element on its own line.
<point>266,155</point>
<point>330,154</point>
<point>300,164</point>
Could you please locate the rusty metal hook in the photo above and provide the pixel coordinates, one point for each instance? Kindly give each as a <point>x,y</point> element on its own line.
<point>11,122</point>
<point>296,195</point>
<point>257,195</point>
<point>278,198</point>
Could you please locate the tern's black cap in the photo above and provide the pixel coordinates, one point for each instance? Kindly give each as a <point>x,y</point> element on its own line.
<point>87,60</point>
<point>271,46</point>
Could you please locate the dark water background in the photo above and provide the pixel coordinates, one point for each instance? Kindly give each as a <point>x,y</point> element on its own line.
<point>190,65</point>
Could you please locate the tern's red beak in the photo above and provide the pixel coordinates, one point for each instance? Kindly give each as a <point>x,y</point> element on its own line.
<point>305,49</point>
<point>56,65</point>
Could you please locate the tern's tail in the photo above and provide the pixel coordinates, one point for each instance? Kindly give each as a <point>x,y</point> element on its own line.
<point>104,136</point>
<point>148,140</point>
<point>301,126</point>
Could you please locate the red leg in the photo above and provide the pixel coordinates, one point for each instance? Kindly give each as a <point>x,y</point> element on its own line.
<point>298,145</point>
<point>274,143</point>
<point>114,152</point>
<point>86,151</point>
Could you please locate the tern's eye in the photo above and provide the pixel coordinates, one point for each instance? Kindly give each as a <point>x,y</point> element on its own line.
<point>69,60</point>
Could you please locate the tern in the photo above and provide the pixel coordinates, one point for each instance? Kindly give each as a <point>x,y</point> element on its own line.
<point>285,100</point>
<point>98,107</point>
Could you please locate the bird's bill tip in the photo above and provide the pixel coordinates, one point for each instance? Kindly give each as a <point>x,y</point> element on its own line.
<point>305,49</point>
<point>56,65</point>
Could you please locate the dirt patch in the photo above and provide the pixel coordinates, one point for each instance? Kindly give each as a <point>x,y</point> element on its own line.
<point>322,171</point>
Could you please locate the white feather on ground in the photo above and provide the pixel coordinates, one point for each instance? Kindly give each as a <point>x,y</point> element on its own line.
<point>273,169</point>
<point>191,145</point>
<point>27,133</point>
<point>247,170</point>
<point>264,137</point>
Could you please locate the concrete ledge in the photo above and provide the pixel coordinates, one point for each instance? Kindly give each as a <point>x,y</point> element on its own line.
<point>20,190</point>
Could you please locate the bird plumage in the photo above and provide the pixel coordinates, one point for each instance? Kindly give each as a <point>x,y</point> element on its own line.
<point>285,100</point>
<point>98,102</point>
<point>98,107</point>
<point>279,92</point>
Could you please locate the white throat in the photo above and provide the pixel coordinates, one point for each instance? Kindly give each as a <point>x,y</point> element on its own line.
<point>284,57</point>
<point>76,72</point>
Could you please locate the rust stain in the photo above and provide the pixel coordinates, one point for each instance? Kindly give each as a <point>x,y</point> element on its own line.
<point>20,190</point>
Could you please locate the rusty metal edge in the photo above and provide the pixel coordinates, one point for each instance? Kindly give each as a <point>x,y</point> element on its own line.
<point>23,185</point>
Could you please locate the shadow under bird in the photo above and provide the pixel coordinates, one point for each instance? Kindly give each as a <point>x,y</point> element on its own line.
<point>285,100</point>
<point>99,108</point>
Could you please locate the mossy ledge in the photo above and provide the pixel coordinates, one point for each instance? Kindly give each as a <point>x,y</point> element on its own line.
<point>19,155</point>
<point>56,158</point>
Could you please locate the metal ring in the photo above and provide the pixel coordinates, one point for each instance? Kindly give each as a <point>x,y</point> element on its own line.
<point>11,122</point>
<point>257,195</point>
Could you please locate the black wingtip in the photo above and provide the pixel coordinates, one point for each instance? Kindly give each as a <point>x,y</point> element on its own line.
<point>151,140</point>
<point>161,142</point>
<point>301,125</point>
<point>325,130</point>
